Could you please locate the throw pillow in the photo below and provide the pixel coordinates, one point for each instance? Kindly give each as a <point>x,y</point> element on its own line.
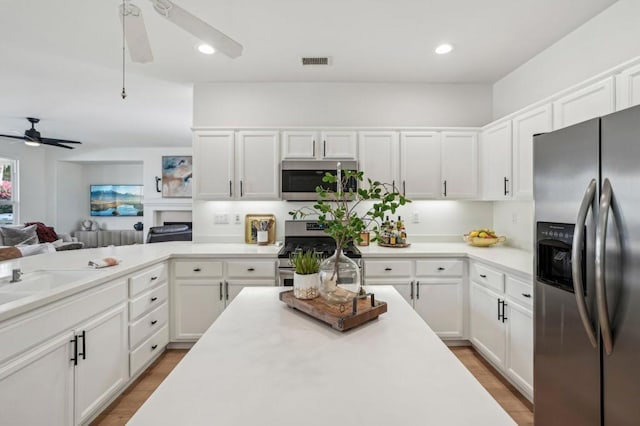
<point>46,234</point>
<point>15,237</point>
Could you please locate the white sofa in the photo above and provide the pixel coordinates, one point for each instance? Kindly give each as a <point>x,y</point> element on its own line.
<point>65,242</point>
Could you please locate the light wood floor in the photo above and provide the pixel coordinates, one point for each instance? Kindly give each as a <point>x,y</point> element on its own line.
<point>128,403</point>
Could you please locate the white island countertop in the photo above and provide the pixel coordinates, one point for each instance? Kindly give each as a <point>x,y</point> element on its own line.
<point>263,363</point>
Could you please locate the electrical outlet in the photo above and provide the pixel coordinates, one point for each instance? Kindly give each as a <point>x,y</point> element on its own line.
<point>220,218</point>
<point>415,218</point>
<point>237,219</point>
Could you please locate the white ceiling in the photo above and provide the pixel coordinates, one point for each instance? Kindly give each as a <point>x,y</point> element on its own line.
<point>61,59</point>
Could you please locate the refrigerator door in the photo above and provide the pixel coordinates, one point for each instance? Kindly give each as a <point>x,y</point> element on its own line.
<point>566,364</point>
<point>620,165</point>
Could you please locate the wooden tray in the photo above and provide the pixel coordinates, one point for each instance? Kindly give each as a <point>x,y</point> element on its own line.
<point>250,232</point>
<point>341,317</point>
<point>403,245</point>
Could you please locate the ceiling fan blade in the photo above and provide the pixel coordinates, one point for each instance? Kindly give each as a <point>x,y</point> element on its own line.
<point>135,33</point>
<point>15,137</point>
<point>51,140</point>
<point>197,27</point>
<point>59,145</point>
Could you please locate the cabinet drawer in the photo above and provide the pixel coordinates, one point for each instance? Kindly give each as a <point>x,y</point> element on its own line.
<point>197,269</point>
<point>147,278</point>
<point>383,268</point>
<point>148,349</point>
<point>148,301</point>
<point>487,276</point>
<point>440,268</point>
<point>251,269</point>
<point>520,291</point>
<point>148,324</point>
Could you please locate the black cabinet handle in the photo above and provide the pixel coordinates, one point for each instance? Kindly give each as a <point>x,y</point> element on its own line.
<point>251,269</point>
<point>417,289</point>
<point>154,278</point>
<point>196,269</point>
<point>393,185</point>
<point>226,289</point>
<point>506,184</point>
<point>445,188</point>
<point>230,192</point>
<point>483,275</point>
<point>153,348</point>
<point>154,322</point>
<point>504,305</point>
<point>388,269</point>
<point>527,295</point>
<point>74,358</point>
<point>404,188</point>
<point>153,299</point>
<point>220,290</point>
<point>440,268</point>
<point>324,148</point>
<point>411,294</point>
<point>241,191</point>
<point>84,344</point>
<point>314,148</point>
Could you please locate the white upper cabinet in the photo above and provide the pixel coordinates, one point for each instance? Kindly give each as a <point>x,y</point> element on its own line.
<point>338,144</point>
<point>592,101</point>
<point>299,144</point>
<point>420,165</point>
<point>238,166</point>
<point>379,156</point>
<point>628,88</point>
<point>525,125</point>
<point>258,165</point>
<point>213,167</point>
<point>495,164</point>
<point>459,160</point>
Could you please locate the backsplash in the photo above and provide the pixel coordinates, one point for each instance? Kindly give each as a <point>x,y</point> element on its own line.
<point>438,220</point>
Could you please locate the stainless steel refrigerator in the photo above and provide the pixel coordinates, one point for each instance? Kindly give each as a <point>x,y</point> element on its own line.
<point>587,267</point>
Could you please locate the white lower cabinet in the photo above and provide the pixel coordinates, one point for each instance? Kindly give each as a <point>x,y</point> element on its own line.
<point>203,288</point>
<point>434,288</point>
<point>501,322</point>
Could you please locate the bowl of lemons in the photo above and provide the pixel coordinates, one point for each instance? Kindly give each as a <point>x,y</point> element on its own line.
<point>484,237</point>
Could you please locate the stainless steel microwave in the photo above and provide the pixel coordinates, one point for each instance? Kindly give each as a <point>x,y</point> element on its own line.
<point>301,177</point>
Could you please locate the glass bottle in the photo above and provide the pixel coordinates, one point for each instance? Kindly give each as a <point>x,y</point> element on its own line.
<point>339,278</point>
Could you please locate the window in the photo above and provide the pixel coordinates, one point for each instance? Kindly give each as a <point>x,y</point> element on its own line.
<point>8,191</point>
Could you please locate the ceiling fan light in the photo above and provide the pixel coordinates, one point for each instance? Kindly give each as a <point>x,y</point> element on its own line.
<point>32,143</point>
<point>206,49</point>
<point>444,49</point>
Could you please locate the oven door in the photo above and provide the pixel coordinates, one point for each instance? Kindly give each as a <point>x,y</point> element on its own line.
<point>285,277</point>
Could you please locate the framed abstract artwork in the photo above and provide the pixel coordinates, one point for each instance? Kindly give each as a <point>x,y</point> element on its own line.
<point>177,174</point>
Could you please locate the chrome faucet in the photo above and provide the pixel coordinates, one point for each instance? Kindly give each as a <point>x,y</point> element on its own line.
<point>15,275</point>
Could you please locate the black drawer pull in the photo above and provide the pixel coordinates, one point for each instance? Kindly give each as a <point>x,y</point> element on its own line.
<point>196,269</point>
<point>483,275</point>
<point>154,278</point>
<point>154,322</point>
<point>251,269</point>
<point>388,269</point>
<point>527,295</point>
<point>153,348</point>
<point>153,299</point>
<point>440,268</point>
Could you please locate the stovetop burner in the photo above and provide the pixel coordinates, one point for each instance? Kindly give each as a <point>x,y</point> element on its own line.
<point>324,248</point>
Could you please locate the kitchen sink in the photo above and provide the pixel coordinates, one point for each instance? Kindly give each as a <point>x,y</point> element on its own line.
<point>44,280</point>
<point>10,296</point>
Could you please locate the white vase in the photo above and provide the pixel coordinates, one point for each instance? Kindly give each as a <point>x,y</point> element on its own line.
<point>306,286</point>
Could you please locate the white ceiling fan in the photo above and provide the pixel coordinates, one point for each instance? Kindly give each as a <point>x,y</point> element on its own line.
<point>138,41</point>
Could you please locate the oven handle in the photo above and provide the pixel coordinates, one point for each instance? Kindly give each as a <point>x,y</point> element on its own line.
<point>576,261</point>
<point>601,294</point>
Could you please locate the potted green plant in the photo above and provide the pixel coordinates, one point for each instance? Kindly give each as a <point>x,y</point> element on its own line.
<point>345,217</point>
<point>306,277</point>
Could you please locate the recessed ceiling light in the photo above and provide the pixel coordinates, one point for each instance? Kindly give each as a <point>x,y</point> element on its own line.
<point>444,48</point>
<point>207,49</point>
<point>32,143</point>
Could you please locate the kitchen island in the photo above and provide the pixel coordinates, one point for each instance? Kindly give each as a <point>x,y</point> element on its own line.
<point>264,363</point>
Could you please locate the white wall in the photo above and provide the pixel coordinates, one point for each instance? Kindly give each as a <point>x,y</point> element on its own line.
<point>603,42</point>
<point>439,220</point>
<point>340,104</point>
<point>514,219</point>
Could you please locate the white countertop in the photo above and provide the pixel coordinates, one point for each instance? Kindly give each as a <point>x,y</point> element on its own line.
<point>262,363</point>
<point>134,257</point>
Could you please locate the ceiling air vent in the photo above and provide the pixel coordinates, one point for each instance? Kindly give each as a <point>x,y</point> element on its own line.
<point>316,60</point>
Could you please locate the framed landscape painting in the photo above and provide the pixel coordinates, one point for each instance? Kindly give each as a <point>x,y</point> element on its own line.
<point>116,200</point>
<point>177,176</point>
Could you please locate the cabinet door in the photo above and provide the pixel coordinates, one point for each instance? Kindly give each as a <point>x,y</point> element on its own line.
<point>379,156</point>
<point>197,304</point>
<point>339,144</point>
<point>459,164</point>
<point>439,303</point>
<point>525,125</point>
<point>495,164</point>
<point>103,361</point>
<point>590,102</point>
<point>520,346</point>
<point>38,389</point>
<point>299,144</point>
<point>258,165</point>
<point>233,288</point>
<point>213,171</point>
<point>487,331</point>
<point>628,88</point>
<point>420,165</point>
<point>405,288</point>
